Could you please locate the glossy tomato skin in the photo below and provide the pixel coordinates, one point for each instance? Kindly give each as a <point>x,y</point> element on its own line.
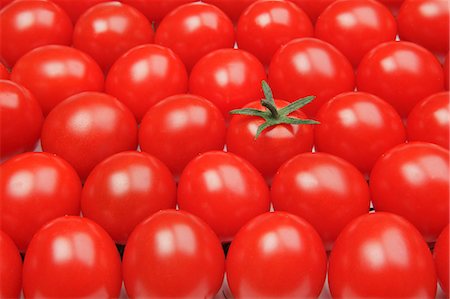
<point>173,254</point>
<point>276,255</point>
<point>179,128</point>
<point>230,78</point>
<point>87,128</point>
<point>358,127</point>
<point>75,9</point>
<point>308,66</point>
<point>224,190</point>
<point>36,188</point>
<point>29,24</point>
<point>144,76</point>
<point>412,180</point>
<point>381,255</point>
<point>10,268</point>
<point>124,27</point>
<point>124,189</point>
<point>441,259</point>
<point>387,71</point>
<point>53,73</point>
<point>323,189</point>
<point>233,8</point>
<point>283,21</point>
<point>313,8</point>
<point>193,30</point>
<point>20,119</point>
<point>72,247</point>
<point>367,21</point>
<point>429,120</point>
<point>274,146</point>
<point>156,10</point>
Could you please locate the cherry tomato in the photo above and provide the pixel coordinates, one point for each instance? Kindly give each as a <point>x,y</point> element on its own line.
<point>72,257</point>
<point>412,180</point>
<point>173,254</point>
<point>358,127</point>
<point>144,76</point>
<point>233,8</point>
<point>325,190</point>
<point>36,188</point>
<point>4,72</point>
<point>29,24</point>
<point>124,189</point>
<point>267,24</point>
<point>425,22</point>
<point>155,10</point>
<point>87,128</point>
<point>381,255</point>
<point>224,190</point>
<point>10,268</point>
<point>366,21</point>
<point>75,9</point>
<point>308,66</point>
<point>441,259</point>
<point>193,30</point>
<point>3,3</point>
<point>401,73</point>
<point>108,30</point>
<point>230,78</point>
<point>276,255</point>
<point>313,8</point>
<point>179,128</point>
<point>20,119</point>
<point>393,5</point>
<point>53,73</point>
<point>429,120</point>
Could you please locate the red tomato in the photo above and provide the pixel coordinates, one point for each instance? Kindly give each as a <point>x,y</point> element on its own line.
<point>230,78</point>
<point>267,24</point>
<point>29,24</point>
<point>425,22</point>
<point>447,71</point>
<point>233,8</point>
<point>441,259</point>
<point>108,30</point>
<point>36,188</point>
<point>173,254</point>
<point>155,10</point>
<point>393,5</point>
<point>401,73</point>
<point>53,73</point>
<point>20,119</point>
<point>358,127</point>
<point>10,268</point>
<point>72,257</point>
<point>381,255</point>
<point>179,128</point>
<point>144,76</point>
<point>325,190</point>
<point>3,3</point>
<point>276,255</point>
<point>87,128</point>
<point>365,21</point>
<point>429,120</point>
<point>129,181</point>
<point>4,72</point>
<point>193,30</point>
<point>224,190</point>
<point>313,8</point>
<point>308,66</point>
<point>75,9</point>
<point>412,180</point>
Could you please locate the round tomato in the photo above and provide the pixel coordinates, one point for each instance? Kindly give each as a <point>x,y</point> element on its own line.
<point>179,128</point>
<point>441,259</point>
<point>381,255</point>
<point>401,73</point>
<point>72,257</point>
<point>144,76</point>
<point>75,9</point>
<point>412,180</point>
<point>87,128</point>
<point>53,73</point>
<point>173,254</point>
<point>266,25</point>
<point>313,8</point>
<point>28,24</point>
<point>325,190</point>
<point>366,21</point>
<point>20,119</point>
<point>155,10</point>
<point>193,30</point>
<point>129,181</point>
<point>309,67</point>
<point>36,188</point>
<point>10,268</point>
<point>358,127</point>
<point>4,72</point>
<point>224,190</point>
<point>276,255</point>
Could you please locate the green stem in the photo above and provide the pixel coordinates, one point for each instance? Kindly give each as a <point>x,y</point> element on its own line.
<point>273,110</point>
